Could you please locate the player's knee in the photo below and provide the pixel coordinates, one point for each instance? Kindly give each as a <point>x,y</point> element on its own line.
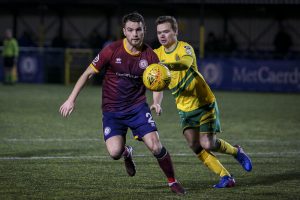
<point>153,143</point>
<point>194,145</point>
<point>155,149</point>
<point>116,155</point>
<point>207,145</point>
<point>208,141</point>
<point>161,153</point>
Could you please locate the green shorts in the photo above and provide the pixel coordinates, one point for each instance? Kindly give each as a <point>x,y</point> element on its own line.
<point>205,118</point>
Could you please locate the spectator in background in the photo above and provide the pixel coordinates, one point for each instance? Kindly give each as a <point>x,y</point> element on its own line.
<point>228,43</point>
<point>95,40</point>
<point>282,42</point>
<point>59,41</point>
<point>211,45</point>
<point>26,40</point>
<point>10,55</point>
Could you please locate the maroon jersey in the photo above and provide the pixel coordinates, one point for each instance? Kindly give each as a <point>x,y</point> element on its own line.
<point>123,87</point>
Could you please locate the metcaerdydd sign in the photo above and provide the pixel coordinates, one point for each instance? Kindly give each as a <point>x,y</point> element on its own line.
<point>252,75</point>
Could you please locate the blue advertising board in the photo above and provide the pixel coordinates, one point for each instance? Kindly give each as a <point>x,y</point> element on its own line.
<point>252,74</point>
<point>30,68</point>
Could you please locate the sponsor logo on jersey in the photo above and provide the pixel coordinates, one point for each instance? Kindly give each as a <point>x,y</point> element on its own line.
<point>188,50</point>
<point>143,64</point>
<point>118,60</point>
<point>126,75</point>
<point>107,130</point>
<point>96,59</point>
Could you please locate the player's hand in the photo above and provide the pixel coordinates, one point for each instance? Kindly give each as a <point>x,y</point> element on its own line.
<point>66,108</point>
<point>157,108</point>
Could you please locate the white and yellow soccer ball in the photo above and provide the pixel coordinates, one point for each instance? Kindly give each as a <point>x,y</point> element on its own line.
<point>156,77</point>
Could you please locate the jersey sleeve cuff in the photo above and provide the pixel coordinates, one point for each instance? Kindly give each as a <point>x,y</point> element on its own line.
<point>94,68</point>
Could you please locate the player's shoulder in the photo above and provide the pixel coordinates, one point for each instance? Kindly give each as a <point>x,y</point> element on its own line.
<point>159,49</point>
<point>112,47</point>
<point>115,44</point>
<point>186,47</point>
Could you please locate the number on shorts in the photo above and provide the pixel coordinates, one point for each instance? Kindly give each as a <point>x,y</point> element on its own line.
<point>150,119</point>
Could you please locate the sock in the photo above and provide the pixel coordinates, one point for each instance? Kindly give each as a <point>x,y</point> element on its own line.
<point>225,147</point>
<point>212,163</point>
<point>165,163</point>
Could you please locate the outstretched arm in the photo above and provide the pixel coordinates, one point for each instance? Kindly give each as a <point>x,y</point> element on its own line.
<point>157,99</point>
<point>182,64</point>
<point>67,107</point>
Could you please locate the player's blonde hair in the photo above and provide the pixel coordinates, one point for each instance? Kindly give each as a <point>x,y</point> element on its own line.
<point>169,19</point>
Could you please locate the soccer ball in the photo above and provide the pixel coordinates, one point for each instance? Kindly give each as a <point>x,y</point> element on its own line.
<point>156,77</point>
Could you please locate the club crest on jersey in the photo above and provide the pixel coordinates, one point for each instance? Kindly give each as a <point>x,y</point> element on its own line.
<point>96,59</point>
<point>107,130</point>
<point>188,50</point>
<point>143,64</point>
<point>118,60</point>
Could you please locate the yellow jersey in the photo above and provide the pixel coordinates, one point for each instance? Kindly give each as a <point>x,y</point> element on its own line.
<point>188,86</point>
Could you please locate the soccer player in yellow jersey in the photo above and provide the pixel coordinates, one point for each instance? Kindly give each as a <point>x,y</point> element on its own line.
<point>196,103</point>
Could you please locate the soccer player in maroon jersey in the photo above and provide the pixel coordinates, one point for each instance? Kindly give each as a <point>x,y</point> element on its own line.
<point>123,98</point>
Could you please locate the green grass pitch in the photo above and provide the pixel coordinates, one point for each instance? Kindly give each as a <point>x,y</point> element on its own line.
<point>46,156</point>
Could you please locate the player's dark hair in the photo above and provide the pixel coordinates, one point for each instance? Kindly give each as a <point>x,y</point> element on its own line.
<point>133,17</point>
<point>169,19</point>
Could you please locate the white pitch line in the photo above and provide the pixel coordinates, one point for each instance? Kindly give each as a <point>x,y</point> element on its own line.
<point>163,139</point>
<point>50,139</point>
<point>263,154</point>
